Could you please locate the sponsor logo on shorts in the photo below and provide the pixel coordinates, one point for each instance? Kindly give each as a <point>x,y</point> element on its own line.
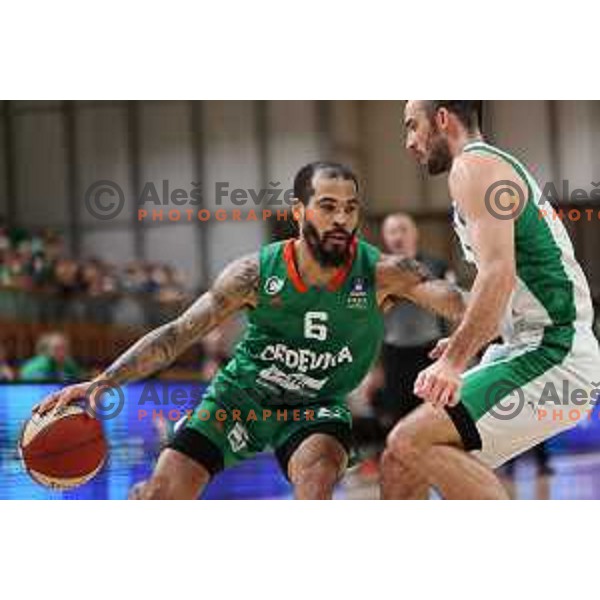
<point>238,437</point>
<point>293,382</point>
<point>326,412</point>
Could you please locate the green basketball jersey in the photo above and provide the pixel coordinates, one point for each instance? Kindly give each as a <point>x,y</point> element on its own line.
<point>551,288</point>
<point>307,344</point>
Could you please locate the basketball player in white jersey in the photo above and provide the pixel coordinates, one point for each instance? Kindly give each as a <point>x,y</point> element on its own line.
<point>529,289</point>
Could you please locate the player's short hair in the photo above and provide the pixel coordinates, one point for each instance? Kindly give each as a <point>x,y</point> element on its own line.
<point>467,111</point>
<point>303,188</point>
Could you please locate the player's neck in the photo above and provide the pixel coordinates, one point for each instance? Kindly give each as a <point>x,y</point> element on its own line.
<point>464,138</point>
<point>311,272</point>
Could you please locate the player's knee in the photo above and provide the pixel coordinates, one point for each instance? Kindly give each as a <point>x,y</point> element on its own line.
<point>317,478</point>
<point>402,450</point>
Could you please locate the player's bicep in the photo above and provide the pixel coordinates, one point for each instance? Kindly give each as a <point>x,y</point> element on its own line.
<point>237,285</point>
<point>493,242</point>
<point>491,234</point>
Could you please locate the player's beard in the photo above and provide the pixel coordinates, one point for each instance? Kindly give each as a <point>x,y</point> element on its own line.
<point>440,159</point>
<point>333,257</point>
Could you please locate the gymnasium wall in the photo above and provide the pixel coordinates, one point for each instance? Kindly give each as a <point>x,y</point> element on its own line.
<point>52,151</point>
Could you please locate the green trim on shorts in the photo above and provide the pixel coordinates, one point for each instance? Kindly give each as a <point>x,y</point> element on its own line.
<point>487,385</point>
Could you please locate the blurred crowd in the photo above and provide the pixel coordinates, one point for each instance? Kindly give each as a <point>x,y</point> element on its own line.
<point>37,261</point>
<point>54,360</point>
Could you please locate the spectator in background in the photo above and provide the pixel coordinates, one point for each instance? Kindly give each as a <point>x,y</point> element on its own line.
<point>136,280</point>
<point>7,373</point>
<point>40,272</point>
<point>52,361</point>
<point>92,278</point>
<point>68,277</point>
<point>168,286</point>
<point>410,332</point>
<point>13,271</point>
<point>38,261</point>
<point>82,289</point>
<point>4,236</point>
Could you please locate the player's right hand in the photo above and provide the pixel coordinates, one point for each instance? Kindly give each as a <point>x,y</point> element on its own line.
<point>59,399</point>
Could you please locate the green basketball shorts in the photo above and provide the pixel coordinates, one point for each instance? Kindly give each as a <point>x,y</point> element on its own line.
<point>232,424</point>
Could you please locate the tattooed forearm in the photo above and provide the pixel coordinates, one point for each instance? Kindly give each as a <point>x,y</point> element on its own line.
<point>235,288</point>
<point>397,274</point>
<point>411,267</point>
<point>151,353</point>
<point>401,277</point>
<point>441,297</point>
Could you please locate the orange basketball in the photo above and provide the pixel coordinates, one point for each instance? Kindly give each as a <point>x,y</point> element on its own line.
<point>63,450</point>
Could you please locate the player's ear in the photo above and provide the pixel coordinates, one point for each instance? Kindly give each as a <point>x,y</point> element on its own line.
<point>442,118</point>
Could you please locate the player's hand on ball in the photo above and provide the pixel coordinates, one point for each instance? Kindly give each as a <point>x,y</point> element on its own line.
<point>57,400</point>
<point>439,384</point>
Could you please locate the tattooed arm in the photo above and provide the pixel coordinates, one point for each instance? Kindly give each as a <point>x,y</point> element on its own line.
<point>235,288</point>
<point>401,277</point>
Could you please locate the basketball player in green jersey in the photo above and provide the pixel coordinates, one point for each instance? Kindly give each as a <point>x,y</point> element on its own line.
<point>529,288</point>
<point>315,326</point>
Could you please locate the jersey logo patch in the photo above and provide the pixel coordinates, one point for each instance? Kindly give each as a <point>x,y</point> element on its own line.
<point>359,284</point>
<point>273,285</point>
<point>358,298</point>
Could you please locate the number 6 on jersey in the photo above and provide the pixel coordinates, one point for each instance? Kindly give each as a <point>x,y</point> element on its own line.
<point>314,327</point>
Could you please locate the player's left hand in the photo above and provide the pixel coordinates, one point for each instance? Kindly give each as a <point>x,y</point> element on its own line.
<point>439,384</point>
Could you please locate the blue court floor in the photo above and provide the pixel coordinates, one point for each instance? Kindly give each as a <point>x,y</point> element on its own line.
<point>575,476</point>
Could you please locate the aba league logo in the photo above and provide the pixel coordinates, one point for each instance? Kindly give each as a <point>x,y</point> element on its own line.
<point>359,285</point>
<point>358,297</point>
<point>273,285</point>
